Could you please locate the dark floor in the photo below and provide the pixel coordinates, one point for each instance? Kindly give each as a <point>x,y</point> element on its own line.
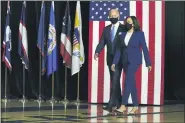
<point>15,113</point>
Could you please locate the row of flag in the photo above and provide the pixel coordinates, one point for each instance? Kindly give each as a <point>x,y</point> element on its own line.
<point>72,52</point>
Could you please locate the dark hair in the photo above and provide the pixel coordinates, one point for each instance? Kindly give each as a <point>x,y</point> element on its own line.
<point>135,22</point>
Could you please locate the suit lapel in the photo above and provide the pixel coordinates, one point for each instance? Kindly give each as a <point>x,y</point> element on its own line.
<point>131,38</point>
<point>109,32</point>
<point>123,41</point>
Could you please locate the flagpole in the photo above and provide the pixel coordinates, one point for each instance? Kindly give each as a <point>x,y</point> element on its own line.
<point>40,75</point>
<point>53,56</point>
<point>53,85</point>
<point>78,86</point>
<point>5,97</point>
<point>65,101</point>
<point>23,100</point>
<point>23,82</point>
<point>40,67</point>
<point>52,97</point>
<point>39,100</point>
<point>5,100</point>
<point>77,102</point>
<point>65,97</point>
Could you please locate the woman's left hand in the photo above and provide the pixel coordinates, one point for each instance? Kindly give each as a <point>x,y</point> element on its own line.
<point>149,68</point>
<point>113,67</point>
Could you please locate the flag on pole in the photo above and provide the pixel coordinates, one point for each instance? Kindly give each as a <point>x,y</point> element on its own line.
<point>23,41</point>
<point>41,44</point>
<point>7,41</point>
<point>151,17</point>
<point>52,44</point>
<point>78,56</point>
<point>65,44</point>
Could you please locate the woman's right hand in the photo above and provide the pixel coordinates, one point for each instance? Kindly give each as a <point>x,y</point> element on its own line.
<point>113,67</point>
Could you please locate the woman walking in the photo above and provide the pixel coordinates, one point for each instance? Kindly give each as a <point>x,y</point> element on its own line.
<point>130,55</point>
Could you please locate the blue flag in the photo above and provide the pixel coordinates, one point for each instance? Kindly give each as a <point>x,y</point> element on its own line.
<point>52,44</point>
<point>7,41</point>
<point>41,44</point>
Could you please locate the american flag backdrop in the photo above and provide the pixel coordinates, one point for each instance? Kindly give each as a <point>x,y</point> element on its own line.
<point>151,17</point>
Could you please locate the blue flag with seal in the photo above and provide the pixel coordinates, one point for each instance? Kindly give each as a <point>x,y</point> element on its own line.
<point>52,44</point>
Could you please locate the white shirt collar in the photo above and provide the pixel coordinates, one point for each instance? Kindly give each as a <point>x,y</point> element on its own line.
<point>116,25</point>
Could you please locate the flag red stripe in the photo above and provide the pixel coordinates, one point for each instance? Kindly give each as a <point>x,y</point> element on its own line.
<point>65,54</point>
<point>90,60</point>
<point>89,110</point>
<point>151,51</point>
<point>139,118</point>
<point>138,74</point>
<point>150,109</point>
<point>7,63</point>
<point>163,48</point>
<point>99,112</point>
<point>101,67</point>
<point>161,110</point>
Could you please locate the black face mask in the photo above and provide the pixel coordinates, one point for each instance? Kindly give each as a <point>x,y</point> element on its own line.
<point>128,26</point>
<point>113,20</point>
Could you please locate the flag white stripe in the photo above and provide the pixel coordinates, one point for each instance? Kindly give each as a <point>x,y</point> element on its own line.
<point>93,113</point>
<point>94,82</point>
<point>133,8</point>
<point>66,43</point>
<point>143,118</point>
<point>105,120</point>
<point>158,51</point>
<point>8,62</point>
<point>144,77</point>
<point>23,33</point>
<point>106,93</point>
<point>129,118</point>
<point>156,118</point>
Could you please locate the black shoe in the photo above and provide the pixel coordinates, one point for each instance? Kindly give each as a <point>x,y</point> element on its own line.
<point>108,108</point>
<point>118,106</point>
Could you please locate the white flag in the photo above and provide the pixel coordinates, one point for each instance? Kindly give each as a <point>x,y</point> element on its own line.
<point>78,57</point>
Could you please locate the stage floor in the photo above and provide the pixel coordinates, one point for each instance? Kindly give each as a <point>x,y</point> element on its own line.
<point>59,113</point>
